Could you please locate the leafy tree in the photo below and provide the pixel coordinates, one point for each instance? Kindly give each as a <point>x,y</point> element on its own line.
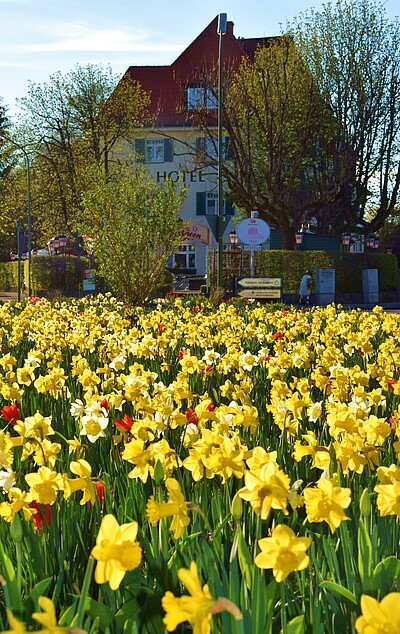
<point>135,226</point>
<point>353,53</point>
<point>72,123</point>
<point>280,133</point>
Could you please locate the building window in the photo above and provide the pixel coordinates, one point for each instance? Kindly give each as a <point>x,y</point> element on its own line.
<point>184,258</point>
<point>207,149</point>
<point>207,205</point>
<point>198,97</point>
<point>154,150</point>
<point>212,204</point>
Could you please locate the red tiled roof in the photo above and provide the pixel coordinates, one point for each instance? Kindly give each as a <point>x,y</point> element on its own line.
<point>167,83</point>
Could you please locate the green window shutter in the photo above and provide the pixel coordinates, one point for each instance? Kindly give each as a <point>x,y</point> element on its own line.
<point>226,149</point>
<point>229,209</point>
<point>200,203</point>
<point>167,151</point>
<point>200,145</point>
<point>139,148</point>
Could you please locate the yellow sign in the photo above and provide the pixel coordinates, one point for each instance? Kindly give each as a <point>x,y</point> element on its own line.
<point>260,293</point>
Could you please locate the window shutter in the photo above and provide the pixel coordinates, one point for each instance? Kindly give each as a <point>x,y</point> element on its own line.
<point>229,209</point>
<point>139,148</point>
<point>200,203</point>
<point>200,145</point>
<point>226,149</point>
<point>167,151</point>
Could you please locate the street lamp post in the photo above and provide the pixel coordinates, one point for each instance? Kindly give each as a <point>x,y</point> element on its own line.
<point>28,169</point>
<point>221,30</point>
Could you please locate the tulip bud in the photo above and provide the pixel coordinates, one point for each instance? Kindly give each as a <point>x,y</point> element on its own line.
<point>158,472</point>
<point>237,507</point>
<point>16,528</point>
<point>365,503</point>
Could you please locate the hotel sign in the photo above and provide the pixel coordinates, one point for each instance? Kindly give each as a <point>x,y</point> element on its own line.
<point>195,232</point>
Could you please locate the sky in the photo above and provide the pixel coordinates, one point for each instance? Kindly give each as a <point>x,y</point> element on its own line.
<point>41,37</point>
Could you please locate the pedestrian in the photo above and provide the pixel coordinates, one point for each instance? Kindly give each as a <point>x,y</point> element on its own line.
<point>304,290</point>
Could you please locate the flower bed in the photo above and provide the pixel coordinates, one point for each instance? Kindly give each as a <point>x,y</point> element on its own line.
<point>231,469</point>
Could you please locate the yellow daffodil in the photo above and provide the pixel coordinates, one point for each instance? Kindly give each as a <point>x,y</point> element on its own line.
<point>197,608</point>
<point>18,501</point>
<point>44,485</point>
<point>283,552</point>
<point>47,618</point>
<point>83,483</point>
<point>270,489</point>
<point>326,503</point>
<point>176,506</point>
<point>378,617</point>
<point>116,551</point>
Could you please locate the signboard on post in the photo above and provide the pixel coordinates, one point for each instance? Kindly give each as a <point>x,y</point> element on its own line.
<point>253,231</point>
<point>259,287</point>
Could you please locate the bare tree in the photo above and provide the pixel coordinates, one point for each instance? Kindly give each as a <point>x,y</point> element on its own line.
<point>353,53</point>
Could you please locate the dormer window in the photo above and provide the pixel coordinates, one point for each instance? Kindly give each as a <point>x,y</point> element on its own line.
<point>199,98</point>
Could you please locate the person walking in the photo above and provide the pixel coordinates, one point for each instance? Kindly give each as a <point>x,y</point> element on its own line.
<point>304,290</point>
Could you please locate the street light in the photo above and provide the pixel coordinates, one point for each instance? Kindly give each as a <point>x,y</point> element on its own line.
<point>233,239</point>
<point>345,241</point>
<point>28,168</point>
<point>221,30</point>
<point>299,238</point>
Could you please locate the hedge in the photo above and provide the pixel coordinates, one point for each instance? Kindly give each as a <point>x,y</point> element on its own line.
<point>57,274</point>
<point>291,266</point>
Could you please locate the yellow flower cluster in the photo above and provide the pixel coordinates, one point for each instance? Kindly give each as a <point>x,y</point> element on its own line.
<point>288,409</point>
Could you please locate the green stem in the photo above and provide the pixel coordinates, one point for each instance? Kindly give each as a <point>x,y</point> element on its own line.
<point>84,593</point>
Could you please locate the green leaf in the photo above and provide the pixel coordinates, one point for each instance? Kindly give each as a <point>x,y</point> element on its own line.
<point>296,625</point>
<point>245,561</point>
<point>364,555</point>
<point>386,572</point>
<point>339,591</point>
<point>99,611</point>
<point>130,610</point>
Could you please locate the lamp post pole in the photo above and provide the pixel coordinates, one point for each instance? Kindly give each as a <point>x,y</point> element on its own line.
<point>28,169</point>
<point>221,30</point>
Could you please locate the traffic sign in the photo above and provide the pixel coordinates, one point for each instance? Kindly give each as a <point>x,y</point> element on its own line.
<point>252,247</point>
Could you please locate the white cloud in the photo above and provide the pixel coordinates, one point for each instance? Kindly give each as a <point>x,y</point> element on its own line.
<point>79,37</point>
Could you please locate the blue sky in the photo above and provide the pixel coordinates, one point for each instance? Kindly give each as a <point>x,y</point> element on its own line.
<point>41,37</point>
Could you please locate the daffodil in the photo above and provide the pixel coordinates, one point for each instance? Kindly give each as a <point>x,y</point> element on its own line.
<point>269,489</point>
<point>47,618</point>
<point>326,503</point>
<point>44,485</point>
<point>176,506</point>
<point>83,483</point>
<point>283,552</point>
<point>197,608</point>
<point>116,551</point>
<point>379,617</point>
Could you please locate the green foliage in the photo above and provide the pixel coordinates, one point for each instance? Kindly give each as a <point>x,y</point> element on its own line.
<point>8,276</point>
<point>68,125</point>
<point>58,274</point>
<point>291,266</point>
<point>349,267</point>
<point>135,224</point>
